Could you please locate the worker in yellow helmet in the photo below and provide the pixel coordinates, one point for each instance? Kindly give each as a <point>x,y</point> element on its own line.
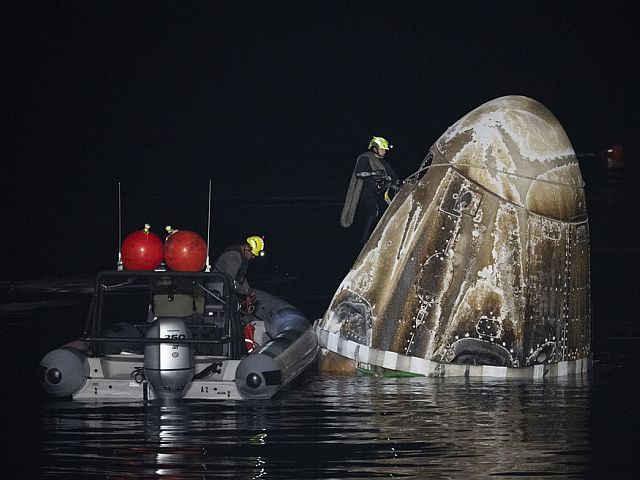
<point>372,183</point>
<point>235,262</point>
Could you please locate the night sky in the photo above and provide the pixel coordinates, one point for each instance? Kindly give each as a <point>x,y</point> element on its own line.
<point>273,99</point>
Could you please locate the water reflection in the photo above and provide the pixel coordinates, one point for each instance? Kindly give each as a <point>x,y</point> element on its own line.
<point>336,427</point>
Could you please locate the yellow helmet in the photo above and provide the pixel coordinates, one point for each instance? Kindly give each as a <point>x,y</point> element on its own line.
<point>257,245</point>
<point>381,143</point>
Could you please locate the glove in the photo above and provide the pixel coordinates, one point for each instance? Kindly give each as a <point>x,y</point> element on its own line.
<point>246,307</point>
<point>383,182</point>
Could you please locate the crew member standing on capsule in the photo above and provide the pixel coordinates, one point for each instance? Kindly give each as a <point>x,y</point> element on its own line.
<point>372,183</point>
<point>234,261</point>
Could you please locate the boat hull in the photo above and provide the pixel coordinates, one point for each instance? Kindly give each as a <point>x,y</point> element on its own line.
<point>111,380</point>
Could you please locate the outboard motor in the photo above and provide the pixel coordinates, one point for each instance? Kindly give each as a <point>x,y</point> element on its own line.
<point>64,371</point>
<point>168,367</point>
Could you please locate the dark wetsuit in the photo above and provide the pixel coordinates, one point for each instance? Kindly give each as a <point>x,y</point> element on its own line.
<point>233,262</point>
<point>375,181</point>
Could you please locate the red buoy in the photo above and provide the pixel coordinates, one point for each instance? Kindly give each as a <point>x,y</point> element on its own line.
<point>185,251</point>
<point>141,250</point>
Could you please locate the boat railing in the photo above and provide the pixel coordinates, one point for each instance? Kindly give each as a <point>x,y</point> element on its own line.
<point>215,325</point>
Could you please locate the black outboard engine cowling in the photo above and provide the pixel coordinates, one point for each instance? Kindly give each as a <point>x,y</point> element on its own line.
<point>168,367</point>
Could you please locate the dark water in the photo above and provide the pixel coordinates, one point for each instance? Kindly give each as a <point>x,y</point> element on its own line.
<point>333,427</point>
<point>336,428</point>
<point>321,426</point>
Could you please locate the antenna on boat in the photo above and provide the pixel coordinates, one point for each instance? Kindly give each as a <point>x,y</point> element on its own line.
<point>208,265</point>
<point>120,267</point>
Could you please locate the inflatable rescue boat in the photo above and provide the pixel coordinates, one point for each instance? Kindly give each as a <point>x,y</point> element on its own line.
<point>166,335</point>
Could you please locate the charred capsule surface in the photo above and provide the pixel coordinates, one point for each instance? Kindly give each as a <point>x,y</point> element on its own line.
<point>481,259</point>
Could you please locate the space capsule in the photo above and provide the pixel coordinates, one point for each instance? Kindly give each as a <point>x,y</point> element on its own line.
<point>480,266</point>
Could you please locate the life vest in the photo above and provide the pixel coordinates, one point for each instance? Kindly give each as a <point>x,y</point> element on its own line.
<point>249,342</point>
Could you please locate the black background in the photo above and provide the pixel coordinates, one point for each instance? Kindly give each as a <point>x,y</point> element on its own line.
<point>272,101</point>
